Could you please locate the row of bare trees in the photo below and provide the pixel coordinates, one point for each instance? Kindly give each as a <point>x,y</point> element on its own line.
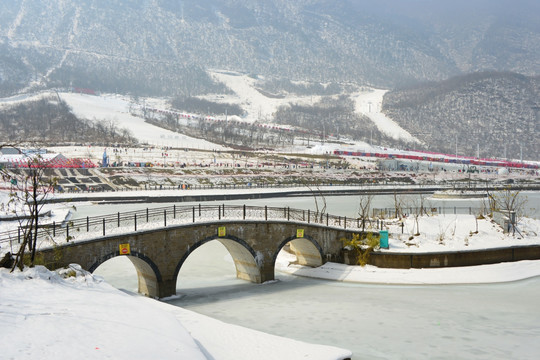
<point>508,201</point>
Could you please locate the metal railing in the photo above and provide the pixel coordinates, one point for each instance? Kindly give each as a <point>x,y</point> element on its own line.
<point>388,213</point>
<point>147,219</point>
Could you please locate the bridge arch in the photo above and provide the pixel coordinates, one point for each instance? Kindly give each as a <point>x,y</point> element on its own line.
<point>246,261</point>
<point>148,274</point>
<point>308,251</point>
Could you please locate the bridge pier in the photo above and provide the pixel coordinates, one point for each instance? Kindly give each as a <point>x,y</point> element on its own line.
<point>165,288</point>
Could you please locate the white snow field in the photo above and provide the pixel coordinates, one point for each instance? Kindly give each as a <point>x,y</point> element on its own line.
<point>46,316</point>
<point>116,108</point>
<point>369,103</point>
<point>258,106</point>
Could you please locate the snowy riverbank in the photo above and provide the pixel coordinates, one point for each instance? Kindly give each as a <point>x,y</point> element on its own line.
<point>83,316</point>
<point>45,315</point>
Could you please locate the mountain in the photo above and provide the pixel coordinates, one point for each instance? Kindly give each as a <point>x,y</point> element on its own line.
<point>164,47</point>
<point>495,114</point>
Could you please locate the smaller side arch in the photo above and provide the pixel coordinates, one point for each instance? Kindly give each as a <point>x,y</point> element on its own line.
<point>307,250</point>
<point>244,257</point>
<point>148,274</point>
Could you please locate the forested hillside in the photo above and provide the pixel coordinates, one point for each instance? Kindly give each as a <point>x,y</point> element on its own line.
<point>494,113</point>
<point>165,47</point>
<point>50,121</point>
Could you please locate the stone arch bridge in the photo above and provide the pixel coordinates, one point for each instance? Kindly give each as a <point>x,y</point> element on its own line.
<point>158,254</point>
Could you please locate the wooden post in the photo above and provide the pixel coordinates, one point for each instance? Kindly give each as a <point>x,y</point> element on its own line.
<point>87,224</point>
<point>135,222</point>
<point>103,226</point>
<point>118,218</point>
<point>146,214</point>
<point>265,213</point>
<point>194,212</point>
<point>54,229</point>
<point>165,217</point>
<point>244,211</point>
<point>308,216</point>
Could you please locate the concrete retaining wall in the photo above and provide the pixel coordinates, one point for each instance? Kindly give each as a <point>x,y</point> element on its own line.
<point>456,258</point>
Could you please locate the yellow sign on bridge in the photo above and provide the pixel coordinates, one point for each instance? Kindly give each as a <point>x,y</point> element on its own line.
<point>124,249</point>
<point>222,231</point>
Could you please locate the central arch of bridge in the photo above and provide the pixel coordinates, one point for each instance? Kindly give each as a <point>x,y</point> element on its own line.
<point>243,255</point>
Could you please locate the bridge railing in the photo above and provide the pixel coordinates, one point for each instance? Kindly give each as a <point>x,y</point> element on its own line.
<point>50,234</point>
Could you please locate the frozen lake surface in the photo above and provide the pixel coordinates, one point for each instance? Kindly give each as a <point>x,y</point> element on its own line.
<point>487,321</point>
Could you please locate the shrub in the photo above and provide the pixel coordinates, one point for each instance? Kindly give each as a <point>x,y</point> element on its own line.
<point>362,246</point>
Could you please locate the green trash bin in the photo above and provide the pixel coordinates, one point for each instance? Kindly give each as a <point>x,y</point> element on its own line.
<point>383,240</point>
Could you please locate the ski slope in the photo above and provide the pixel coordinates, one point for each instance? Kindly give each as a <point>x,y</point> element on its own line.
<point>115,108</point>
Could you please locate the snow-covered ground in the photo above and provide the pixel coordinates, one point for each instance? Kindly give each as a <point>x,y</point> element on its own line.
<point>370,104</point>
<point>116,109</point>
<point>49,316</point>
<point>484,274</point>
<point>459,232</point>
<point>258,106</point>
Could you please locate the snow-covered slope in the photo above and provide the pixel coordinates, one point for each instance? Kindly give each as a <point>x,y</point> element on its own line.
<point>46,316</point>
<point>261,107</point>
<point>116,109</point>
<point>258,106</point>
<point>369,104</point>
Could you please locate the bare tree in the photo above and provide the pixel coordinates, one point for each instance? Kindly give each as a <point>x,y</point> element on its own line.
<point>31,189</point>
<point>510,202</point>
<point>398,205</point>
<point>318,195</point>
<point>417,208</point>
<point>364,207</point>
